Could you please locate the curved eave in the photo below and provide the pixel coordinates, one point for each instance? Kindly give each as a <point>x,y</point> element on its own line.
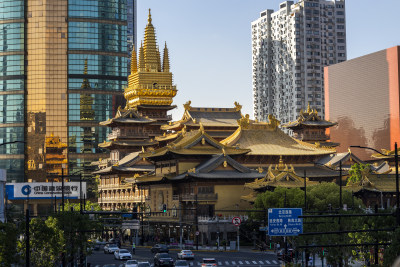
<point>110,144</point>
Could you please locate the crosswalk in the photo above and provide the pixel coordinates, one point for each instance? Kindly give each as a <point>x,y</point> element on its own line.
<point>243,263</point>
<point>233,263</point>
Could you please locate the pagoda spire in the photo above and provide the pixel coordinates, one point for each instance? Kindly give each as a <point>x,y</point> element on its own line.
<point>158,59</point>
<point>133,61</point>
<point>166,59</point>
<point>150,46</point>
<point>141,58</point>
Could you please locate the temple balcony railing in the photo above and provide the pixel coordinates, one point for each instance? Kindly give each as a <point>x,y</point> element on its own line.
<point>200,197</point>
<point>129,135</point>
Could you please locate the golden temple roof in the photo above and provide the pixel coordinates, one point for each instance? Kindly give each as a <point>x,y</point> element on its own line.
<point>373,182</point>
<point>208,117</point>
<point>280,176</point>
<point>309,117</point>
<point>264,138</point>
<point>196,142</point>
<point>149,83</point>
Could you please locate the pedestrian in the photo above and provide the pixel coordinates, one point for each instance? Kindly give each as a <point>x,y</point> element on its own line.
<point>133,248</point>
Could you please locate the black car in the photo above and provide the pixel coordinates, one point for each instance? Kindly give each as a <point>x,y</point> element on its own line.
<point>163,259</point>
<point>159,248</point>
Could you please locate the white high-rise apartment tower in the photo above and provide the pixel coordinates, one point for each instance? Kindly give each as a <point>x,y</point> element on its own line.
<point>290,48</point>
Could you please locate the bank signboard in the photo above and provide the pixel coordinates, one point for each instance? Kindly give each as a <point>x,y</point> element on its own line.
<point>15,191</point>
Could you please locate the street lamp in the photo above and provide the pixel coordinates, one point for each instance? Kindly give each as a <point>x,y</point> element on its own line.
<point>396,160</point>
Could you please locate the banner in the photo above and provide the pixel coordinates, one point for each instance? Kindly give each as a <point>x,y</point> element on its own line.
<point>44,190</point>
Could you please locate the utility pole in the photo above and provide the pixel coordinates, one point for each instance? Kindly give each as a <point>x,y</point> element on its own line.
<point>80,192</point>
<point>305,190</point>
<point>396,158</point>
<point>62,189</point>
<point>197,224</point>
<point>27,245</point>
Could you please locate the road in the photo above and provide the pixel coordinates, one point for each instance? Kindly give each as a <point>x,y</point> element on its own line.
<point>242,258</point>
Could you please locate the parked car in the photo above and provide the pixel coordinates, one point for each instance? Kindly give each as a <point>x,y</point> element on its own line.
<point>208,262</point>
<point>163,259</point>
<point>181,263</point>
<point>110,248</point>
<point>122,254</point>
<point>186,255</point>
<point>131,263</point>
<point>144,264</point>
<point>157,248</point>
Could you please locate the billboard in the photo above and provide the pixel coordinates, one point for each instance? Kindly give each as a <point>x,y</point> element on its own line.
<point>15,191</point>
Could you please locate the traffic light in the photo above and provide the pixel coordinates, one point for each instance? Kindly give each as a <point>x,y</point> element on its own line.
<point>323,252</point>
<point>164,208</point>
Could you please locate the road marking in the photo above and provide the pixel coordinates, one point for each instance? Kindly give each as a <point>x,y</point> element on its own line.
<point>261,262</point>
<point>268,262</point>
<point>240,262</point>
<point>226,262</point>
<point>233,262</point>
<point>219,263</point>
<point>254,262</point>
<point>247,262</point>
<point>274,262</point>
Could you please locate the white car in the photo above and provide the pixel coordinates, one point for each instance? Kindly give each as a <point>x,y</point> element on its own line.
<point>144,264</point>
<point>131,263</point>
<point>209,262</point>
<point>186,255</point>
<point>122,254</point>
<point>110,248</point>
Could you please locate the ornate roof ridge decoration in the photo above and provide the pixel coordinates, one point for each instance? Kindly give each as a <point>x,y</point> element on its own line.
<point>150,83</point>
<point>209,116</point>
<point>195,142</point>
<point>279,176</point>
<point>309,116</point>
<point>388,154</point>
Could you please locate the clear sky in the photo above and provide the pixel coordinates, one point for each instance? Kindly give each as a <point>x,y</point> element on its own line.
<point>210,43</point>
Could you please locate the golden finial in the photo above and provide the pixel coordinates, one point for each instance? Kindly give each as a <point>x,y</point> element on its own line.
<point>149,18</point>
<point>224,152</point>
<point>203,141</point>
<point>166,59</point>
<point>273,121</point>
<point>238,107</point>
<point>133,60</point>
<point>308,108</point>
<point>280,166</point>
<point>225,164</point>
<point>201,128</point>
<point>244,122</point>
<point>187,105</point>
<point>260,169</point>
<point>143,149</point>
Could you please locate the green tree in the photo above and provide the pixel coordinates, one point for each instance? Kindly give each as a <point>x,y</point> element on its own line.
<point>45,241</point>
<point>392,252</point>
<point>8,244</point>
<point>355,172</point>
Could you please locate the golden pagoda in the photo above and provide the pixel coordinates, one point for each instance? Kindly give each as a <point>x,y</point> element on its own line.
<point>150,82</point>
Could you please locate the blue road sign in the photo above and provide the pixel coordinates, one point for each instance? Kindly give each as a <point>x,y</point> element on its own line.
<point>285,222</point>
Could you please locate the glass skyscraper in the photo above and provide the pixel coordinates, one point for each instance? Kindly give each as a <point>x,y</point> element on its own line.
<point>64,64</point>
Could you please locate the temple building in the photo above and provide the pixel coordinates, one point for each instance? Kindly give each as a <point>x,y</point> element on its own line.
<point>310,127</point>
<point>149,97</point>
<point>218,122</point>
<point>268,143</point>
<point>279,176</point>
<point>195,177</point>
